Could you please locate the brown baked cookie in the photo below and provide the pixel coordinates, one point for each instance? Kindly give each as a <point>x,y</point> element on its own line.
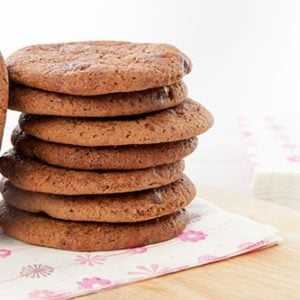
<point>42,230</point>
<point>127,207</point>
<point>102,158</point>
<point>33,175</point>
<point>98,67</point>
<point>3,96</point>
<point>184,121</point>
<point>39,102</point>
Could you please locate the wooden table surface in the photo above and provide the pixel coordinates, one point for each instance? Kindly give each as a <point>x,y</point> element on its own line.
<point>268,274</point>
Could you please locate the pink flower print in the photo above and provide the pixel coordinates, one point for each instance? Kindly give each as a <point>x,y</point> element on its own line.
<point>89,259</point>
<point>36,271</point>
<point>47,295</point>
<point>89,283</point>
<point>151,270</point>
<point>205,259</point>
<point>192,236</point>
<point>194,217</point>
<point>251,246</point>
<point>137,250</point>
<point>4,253</point>
<point>294,158</point>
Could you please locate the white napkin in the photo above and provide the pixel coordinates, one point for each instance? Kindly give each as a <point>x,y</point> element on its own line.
<point>37,273</point>
<point>272,153</point>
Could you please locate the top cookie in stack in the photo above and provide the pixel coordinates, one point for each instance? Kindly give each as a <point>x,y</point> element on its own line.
<point>97,68</point>
<point>100,143</point>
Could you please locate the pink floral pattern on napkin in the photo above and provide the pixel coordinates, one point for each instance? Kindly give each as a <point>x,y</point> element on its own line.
<point>47,295</point>
<point>89,283</point>
<point>138,250</point>
<point>36,271</point>
<point>4,253</point>
<point>192,236</point>
<point>48,274</point>
<point>152,269</point>
<point>252,245</point>
<point>90,259</point>
<point>207,258</point>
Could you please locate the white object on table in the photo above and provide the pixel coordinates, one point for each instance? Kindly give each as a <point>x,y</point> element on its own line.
<point>272,153</point>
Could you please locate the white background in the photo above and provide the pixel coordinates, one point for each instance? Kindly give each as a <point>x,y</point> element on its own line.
<point>246,58</point>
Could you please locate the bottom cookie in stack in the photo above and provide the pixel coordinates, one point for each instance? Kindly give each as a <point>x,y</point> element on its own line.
<point>42,230</point>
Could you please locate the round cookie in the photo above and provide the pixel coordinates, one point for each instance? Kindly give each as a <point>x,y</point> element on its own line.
<point>3,96</point>
<point>128,207</point>
<point>88,236</point>
<point>173,124</point>
<point>33,175</point>
<point>97,67</point>
<point>39,102</point>
<point>102,158</point>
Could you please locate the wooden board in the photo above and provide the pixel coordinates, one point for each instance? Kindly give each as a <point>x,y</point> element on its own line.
<point>269,274</point>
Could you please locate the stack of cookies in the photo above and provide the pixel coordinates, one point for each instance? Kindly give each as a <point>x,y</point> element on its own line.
<point>97,162</point>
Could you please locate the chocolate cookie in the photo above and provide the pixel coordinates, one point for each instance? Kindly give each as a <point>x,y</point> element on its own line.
<point>33,175</point>
<point>3,96</point>
<point>98,67</point>
<point>35,101</point>
<point>88,236</point>
<point>102,158</point>
<point>173,124</point>
<point>127,207</point>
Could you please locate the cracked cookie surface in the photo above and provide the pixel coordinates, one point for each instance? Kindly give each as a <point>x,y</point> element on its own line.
<point>42,230</point>
<point>102,158</point>
<point>127,207</point>
<point>97,67</point>
<point>184,121</point>
<point>39,102</point>
<point>33,175</point>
